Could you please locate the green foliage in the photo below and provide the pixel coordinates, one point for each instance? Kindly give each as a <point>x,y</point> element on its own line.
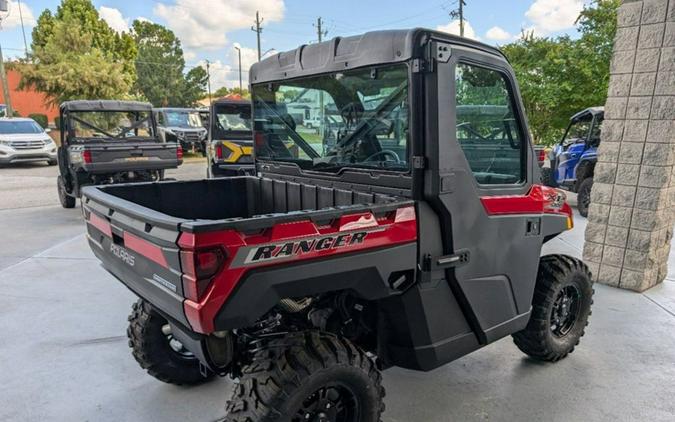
<point>76,55</point>
<point>561,76</point>
<point>41,119</point>
<point>225,91</point>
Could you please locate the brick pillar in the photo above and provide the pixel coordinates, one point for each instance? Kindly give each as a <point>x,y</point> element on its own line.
<point>630,222</point>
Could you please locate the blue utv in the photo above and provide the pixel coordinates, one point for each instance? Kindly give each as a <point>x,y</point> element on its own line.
<point>572,160</point>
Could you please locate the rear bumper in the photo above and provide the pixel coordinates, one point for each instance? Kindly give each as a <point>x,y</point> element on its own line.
<point>122,166</point>
<point>234,169</point>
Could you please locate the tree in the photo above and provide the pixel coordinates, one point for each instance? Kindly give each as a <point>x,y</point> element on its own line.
<point>561,76</point>
<point>194,86</point>
<point>77,55</point>
<point>160,64</point>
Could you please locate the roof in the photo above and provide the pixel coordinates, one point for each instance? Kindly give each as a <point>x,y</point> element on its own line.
<point>342,53</point>
<point>231,101</point>
<point>16,119</point>
<point>105,105</point>
<point>174,109</point>
<point>592,111</point>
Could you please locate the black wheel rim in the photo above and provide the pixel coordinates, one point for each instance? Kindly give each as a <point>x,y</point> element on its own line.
<point>175,345</point>
<point>565,311</point>
<point>331,403</point>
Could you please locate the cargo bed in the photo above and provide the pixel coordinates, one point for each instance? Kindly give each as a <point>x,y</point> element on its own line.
<point>107,157</point>
<point>141,232</point>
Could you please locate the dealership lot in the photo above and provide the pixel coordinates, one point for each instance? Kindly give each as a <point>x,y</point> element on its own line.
<point>65,354</point>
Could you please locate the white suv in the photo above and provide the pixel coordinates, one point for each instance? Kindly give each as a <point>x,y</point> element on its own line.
<point>23,140</point>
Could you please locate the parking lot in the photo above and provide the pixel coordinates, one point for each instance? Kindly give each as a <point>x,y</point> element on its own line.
<point>65,355</point>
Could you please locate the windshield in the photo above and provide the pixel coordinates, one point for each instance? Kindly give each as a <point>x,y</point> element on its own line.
<point>579,130</point>
<point>189,119</point>
<point>356,118</point>
<point>19,126</point>
<point>110,124</point>
<point>231,117</point>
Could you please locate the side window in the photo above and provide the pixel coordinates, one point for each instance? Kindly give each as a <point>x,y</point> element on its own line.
<point>487,129</point>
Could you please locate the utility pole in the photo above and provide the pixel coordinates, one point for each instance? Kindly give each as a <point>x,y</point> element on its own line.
<point>258,30</point>
<point>23,29</point>
<point>459,14</point>
<point>319,32</point>
<point>208,79</point>
<point>241,88</point>
<point>5,86</point>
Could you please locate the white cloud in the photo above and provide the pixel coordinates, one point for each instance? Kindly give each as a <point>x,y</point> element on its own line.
<point>13,19</point>
<point>453,28</point>
<point>114,18</point>
<point>497,33</point>
<point>205,27</point>
<point>226,73</point>
<point>144,19</point>
<point>548,16</point>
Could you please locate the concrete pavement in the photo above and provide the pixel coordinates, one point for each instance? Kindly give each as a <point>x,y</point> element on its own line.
<point>65,355</point>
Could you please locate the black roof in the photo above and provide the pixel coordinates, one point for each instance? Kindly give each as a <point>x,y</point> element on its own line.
<point>174,109</point>
<point>342,53</point>
<point>591,111</point>
<point>234,101</point>
<point>105,105</point>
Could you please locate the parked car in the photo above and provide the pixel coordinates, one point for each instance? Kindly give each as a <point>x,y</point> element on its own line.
<point>108,142</point>
<point>23,140</point>
<point>572,160</point>
<point>183,125</point>
<point>312,122</point>
<point>402,245</point>
<point>230,139</point>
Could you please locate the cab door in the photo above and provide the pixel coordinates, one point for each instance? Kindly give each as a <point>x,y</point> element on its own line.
<point>481,151</point>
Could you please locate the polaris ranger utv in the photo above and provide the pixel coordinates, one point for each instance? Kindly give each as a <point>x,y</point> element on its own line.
<point>572,160</point>
<point>105,142</point>
<point>411,242</point>
<point>230,150</point>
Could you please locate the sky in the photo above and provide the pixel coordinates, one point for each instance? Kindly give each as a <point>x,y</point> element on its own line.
<point>210,29</point>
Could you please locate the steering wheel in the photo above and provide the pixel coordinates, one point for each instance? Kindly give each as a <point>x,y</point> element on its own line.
<point>384,152</point>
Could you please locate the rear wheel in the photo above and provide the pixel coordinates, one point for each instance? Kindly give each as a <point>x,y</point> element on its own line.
<point>584,196</point>
<point>547,178</point>
<point>66,200</point>
<point>308,376</point>
<point>560,309</point>
<point>158,352</point>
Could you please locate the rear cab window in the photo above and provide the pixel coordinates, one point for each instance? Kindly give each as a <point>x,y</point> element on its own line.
<point>488,131</point>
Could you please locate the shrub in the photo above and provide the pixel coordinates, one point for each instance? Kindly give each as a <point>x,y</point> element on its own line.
<point>41,119</point>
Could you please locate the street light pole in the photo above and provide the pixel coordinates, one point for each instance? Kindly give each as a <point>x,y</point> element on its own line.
<point>241,89</point>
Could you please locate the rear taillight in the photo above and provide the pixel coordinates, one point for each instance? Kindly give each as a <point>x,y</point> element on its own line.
<point>179,153</point>
<point>541,155</point>
<point>198,268</point>
<point>219,152</point>
<point>86,156</point>
<point>259,139</point>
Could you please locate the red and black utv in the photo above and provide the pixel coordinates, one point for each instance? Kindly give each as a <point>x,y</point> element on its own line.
<point>107,141</point>
<point>413,239</point>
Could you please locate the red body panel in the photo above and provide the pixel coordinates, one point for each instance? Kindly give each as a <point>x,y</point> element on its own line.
<point>397,228</point>
<point>538,200</point>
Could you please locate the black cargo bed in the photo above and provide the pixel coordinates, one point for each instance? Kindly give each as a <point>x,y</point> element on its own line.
<point>243,203</point>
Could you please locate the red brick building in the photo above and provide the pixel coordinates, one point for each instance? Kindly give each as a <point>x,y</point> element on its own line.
<point>28,101</point>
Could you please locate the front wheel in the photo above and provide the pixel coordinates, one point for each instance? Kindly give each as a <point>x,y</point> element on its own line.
<point>584,196</point>
<point>308,376</point>
<point>158,352</point>
<point>66,200</point>
<point>561,306</point>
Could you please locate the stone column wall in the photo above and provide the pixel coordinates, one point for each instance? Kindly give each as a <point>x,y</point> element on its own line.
<point>630,222</point>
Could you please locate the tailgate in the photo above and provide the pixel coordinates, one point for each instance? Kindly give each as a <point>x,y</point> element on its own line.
<point>138,246</point>
<point>131,157</point>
